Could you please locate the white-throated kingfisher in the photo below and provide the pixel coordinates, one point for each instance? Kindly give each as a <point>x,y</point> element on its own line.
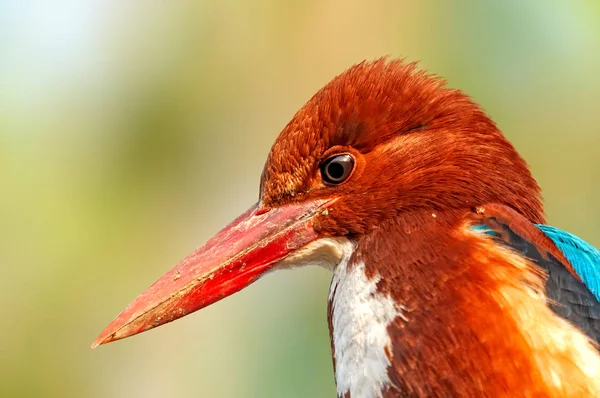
<point>446,280</point>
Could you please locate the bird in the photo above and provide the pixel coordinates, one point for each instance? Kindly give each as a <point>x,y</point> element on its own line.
<point>446,279</point>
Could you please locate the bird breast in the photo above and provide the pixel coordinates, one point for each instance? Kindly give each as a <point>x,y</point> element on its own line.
<point>359,317</point>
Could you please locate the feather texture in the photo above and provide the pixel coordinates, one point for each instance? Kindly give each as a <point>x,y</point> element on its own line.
<point>572,299</point>
<point>584,257</point>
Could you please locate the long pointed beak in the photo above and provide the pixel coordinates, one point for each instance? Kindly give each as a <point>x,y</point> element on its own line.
<point>234,258</point>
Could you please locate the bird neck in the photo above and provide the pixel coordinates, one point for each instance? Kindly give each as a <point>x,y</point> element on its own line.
<point>432,308</point>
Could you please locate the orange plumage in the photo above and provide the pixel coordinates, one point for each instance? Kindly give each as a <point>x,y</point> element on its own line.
<point>445,283</point>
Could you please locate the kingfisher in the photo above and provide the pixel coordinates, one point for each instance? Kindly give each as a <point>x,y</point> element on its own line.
<point>447,282</point>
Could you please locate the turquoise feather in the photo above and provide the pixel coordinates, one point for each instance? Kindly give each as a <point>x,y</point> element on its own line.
<point>584,257</point>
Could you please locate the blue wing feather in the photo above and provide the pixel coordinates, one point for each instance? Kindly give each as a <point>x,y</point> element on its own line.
<point>584,257</point>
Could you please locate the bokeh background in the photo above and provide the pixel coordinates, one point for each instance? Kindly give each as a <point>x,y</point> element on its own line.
<point>131,131</point>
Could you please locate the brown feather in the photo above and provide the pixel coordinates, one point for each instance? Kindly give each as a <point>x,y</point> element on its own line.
<point>525,229</point>
<point>416,143</point>
<point>460,335</point>
<point>425,157</point>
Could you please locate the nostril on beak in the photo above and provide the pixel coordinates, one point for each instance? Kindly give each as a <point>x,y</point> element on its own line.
<point>262,211</point>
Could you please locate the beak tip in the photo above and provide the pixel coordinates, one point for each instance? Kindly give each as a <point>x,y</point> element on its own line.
<point>102,339</point>
<point>96,343</point>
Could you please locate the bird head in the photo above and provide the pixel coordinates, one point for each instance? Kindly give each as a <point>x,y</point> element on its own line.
<point>381,140</point>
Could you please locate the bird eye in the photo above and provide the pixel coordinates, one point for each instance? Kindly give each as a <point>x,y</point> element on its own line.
<point>336,169</point>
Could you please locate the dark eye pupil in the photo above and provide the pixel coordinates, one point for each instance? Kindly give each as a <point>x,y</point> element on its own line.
<point>336,169</point>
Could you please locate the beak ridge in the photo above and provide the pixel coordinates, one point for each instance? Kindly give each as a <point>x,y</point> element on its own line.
<point>234,258</point>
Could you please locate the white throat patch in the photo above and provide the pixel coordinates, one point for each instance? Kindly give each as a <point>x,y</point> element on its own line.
<point>360,318</point>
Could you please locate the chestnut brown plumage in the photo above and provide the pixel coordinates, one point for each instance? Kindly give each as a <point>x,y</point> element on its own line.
<point>452,286</point>
<point>418,145</point>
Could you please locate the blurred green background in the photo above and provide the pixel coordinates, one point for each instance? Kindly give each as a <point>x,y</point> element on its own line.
<point>131,131</point>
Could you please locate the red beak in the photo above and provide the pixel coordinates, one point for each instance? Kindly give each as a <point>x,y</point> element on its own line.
<point>234,258</point>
